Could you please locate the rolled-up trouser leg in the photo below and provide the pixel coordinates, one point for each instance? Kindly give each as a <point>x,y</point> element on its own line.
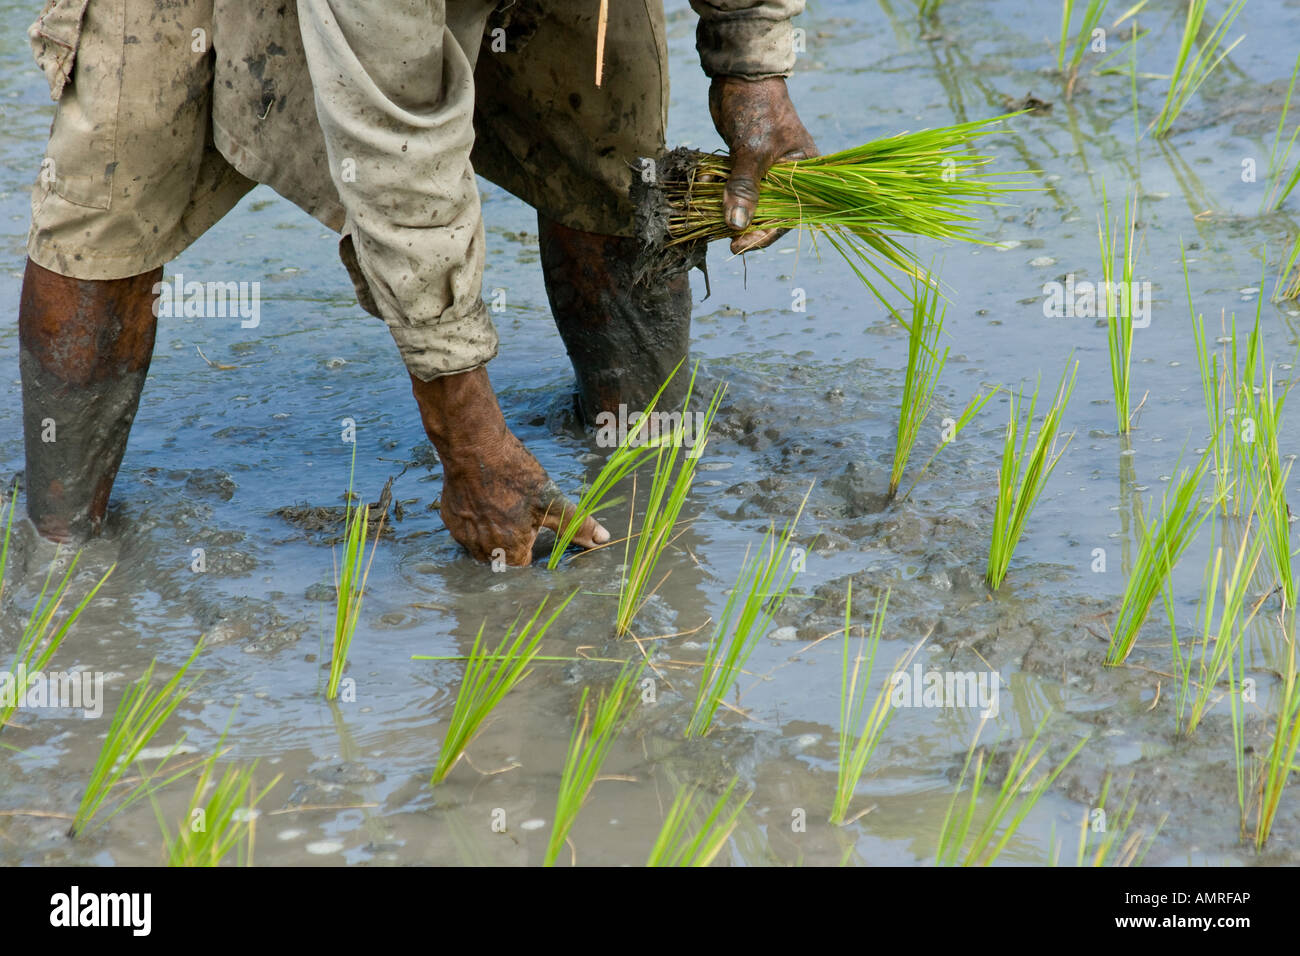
<point>624,337</point>
<point>84,351</point>
<point>394,92</point>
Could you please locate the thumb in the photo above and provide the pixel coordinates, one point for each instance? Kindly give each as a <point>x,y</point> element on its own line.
<point>559,514</point>
<point>741,194</point>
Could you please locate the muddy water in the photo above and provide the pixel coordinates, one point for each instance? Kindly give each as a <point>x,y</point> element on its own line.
<point>221,445</point>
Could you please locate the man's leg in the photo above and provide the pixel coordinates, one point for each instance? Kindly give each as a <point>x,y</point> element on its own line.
<point>548,134</point>
<point>129,179</point>
<point>623,337</point>
<point>84,350</point>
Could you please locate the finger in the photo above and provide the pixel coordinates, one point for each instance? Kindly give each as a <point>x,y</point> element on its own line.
<point>561,511</point>
<point>741,194</point>
<point>758,239</point>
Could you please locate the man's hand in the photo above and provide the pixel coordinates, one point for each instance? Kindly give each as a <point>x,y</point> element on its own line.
<point>494,492</point>
<point>760,127</point>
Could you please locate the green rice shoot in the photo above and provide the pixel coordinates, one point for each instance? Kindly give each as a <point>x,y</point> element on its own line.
<point>1025,471</point>
<point>693,833</point>
<point>1280,188</point>
<point>488,677</point>
<point>965,842</point>
<point>594,733</point>
<point>42,635</point>
<point>1116,842</point>
<point>924,366</point>
<point>861,728</point>
<point>674,473</point>
<point>1117,296</point>
<point>1195,61</point>
<point>759,591</point>
<point>1092,15</point>
<point>351,573</point>
<point>641,441</point>
<point>140,715</point>
<point>219,823</point>
<point>1162,545</point>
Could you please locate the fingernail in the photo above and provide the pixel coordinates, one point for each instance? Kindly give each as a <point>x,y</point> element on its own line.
<point>738,219</point>
<point>601,535</point>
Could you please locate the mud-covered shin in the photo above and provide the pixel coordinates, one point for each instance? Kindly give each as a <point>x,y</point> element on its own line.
<point>624,333</point>
<point>84,351</point>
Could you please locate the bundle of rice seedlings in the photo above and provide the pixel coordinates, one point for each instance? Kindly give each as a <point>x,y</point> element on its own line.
<point>137,720</point>
<point>961,841</point>
<point>691,835</point>
<point>862,201</point>
<point>1024,473</point>
<point>1195,62</point>
<point>484,685</point>
<point>41,635</point>
<point>593,734</point>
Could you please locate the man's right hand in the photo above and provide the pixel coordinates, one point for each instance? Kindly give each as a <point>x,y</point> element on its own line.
<point>495,494</point>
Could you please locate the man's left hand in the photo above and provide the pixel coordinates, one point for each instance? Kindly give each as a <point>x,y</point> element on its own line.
<point>760,127</point>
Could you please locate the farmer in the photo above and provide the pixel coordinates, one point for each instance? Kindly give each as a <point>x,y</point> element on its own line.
<point>373,116</point>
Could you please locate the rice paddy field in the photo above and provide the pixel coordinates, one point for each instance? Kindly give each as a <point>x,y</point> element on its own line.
<point>1131,699</point>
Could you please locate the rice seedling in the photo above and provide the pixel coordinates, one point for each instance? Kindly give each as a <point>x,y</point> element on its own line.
<point>687,840</point>
<point>1116,845</point>
<point>1288,285</point>
<point>1280,761</point>
<point>1195,62</point>
<point>1228,386</point>
<point>924,366</point>
<point>1024,472</point>
<point>1117,298</point>
<point>861,730</point>
<point>1162,545</point>
<point>952,430</point>
<point>1270,480</point>
<point>962,842</point>
<point>759,591</point>
<point>216,824</point>
<point>593,735</point>
<point>1219,644</point>
<point>488,677</point>
<point>350,576</point>
<point>860,200</point>
<point>928,9</point>
<point>668,490</point>
<point>137,720</point>
<point>642,440</point>
<point>41,636</point>
<point>1092,15</point>
<point>1280,188</point>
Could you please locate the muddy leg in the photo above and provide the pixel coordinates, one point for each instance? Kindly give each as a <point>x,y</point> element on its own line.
<point>623,338</point>
<point>84,351</point>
